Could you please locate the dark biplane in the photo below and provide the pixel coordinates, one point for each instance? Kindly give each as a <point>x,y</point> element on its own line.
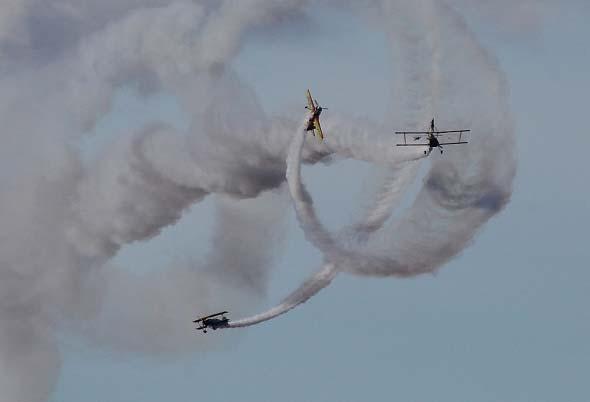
<point>212,321</point>
<point>432,136</point>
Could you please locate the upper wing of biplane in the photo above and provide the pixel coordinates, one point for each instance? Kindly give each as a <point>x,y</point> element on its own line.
<point>438,133</point>
<point>310,104</point>
<point>210,316</point>
<point>459,140</point>
<point>420,135</point>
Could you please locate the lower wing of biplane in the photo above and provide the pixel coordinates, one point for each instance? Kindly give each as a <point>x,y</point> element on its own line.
<point>318,128</point>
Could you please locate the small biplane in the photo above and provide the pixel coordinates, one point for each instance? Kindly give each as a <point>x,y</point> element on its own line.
<point>432,136</point>
<point>212,321</point>
<point>313,123</point>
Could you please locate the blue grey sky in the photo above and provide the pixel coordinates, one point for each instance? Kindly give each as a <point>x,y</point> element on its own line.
<point>507,320</point>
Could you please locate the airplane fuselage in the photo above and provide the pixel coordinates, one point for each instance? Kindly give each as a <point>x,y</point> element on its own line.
<point>215,323</point>
<point>315,114</point>
<point>433,141</point>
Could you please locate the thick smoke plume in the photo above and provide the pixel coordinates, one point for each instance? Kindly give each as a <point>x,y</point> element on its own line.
<point>65,214</point>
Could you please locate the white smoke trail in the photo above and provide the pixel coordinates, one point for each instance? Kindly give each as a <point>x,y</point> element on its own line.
<point>447,225</point>
<point>463,208</point>
<point>307,290</point>
<point>319,236</point>
<point>463,192</point>
<point>315,232</point>
<point>324,276</point>
<point>349,138</point>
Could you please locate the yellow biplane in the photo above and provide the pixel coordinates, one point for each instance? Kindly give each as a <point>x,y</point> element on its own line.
<point>313,123</point>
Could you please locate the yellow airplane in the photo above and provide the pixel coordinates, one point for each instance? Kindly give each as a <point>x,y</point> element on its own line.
<point>313,123</point>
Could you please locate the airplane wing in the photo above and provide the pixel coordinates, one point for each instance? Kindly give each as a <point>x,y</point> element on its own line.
<point>318,128</point>
<point>438,133</point>
<point>310,104</point>
<point>425,145</point>
<point>404,133</point>
<point>458,139</point>
<point>209,316</point>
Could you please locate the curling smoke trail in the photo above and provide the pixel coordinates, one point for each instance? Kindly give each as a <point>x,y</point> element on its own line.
<point>450,208</point>
<point>386,198</point>
<point>459,205</point>
<point>324,276</point>
<point>307,290</point>
<point>319,236</point>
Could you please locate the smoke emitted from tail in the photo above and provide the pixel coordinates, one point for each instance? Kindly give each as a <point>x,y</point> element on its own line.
<point>65,216</point>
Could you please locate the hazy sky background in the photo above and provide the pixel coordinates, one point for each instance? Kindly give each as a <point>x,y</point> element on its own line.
<point>508,320</point>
